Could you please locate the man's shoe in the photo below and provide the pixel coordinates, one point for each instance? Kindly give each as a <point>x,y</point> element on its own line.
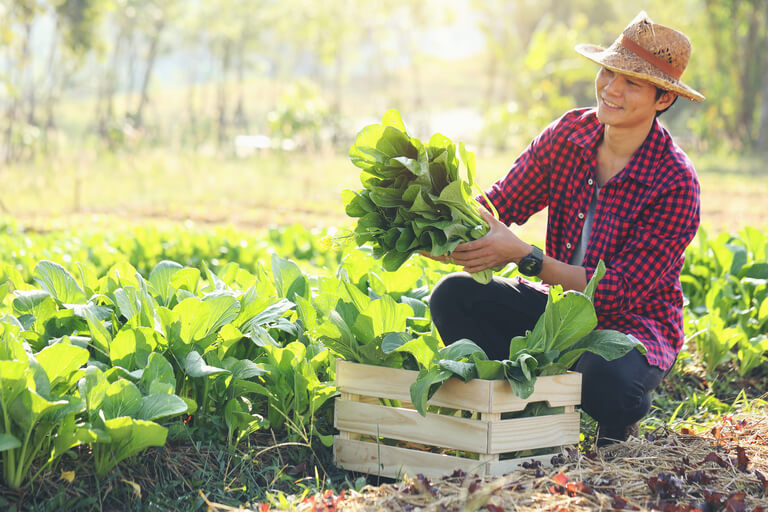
<point>605,437</point>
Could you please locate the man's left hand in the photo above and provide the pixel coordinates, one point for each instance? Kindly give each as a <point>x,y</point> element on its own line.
<point>497,248</point>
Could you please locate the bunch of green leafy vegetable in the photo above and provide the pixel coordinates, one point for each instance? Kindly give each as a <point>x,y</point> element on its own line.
<point>562,334</point>
<point>414,198</point>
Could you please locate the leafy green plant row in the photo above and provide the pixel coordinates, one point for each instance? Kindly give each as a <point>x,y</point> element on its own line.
<point>234,351</point>
<point>246,347</point>
<point>725,281</point>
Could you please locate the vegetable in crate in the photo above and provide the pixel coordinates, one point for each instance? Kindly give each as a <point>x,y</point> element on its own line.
<point>414,198</point>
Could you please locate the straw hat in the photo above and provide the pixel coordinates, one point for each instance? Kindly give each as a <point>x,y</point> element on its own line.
<point>648,51</point>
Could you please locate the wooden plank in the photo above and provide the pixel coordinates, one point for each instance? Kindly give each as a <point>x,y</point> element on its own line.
<point>534,432</point>
<point>556,390</point>
<point>395,462</point>
<point>408,425</point>
<point>476,395</point>
<point>502,467</point>
<point>395,383</point>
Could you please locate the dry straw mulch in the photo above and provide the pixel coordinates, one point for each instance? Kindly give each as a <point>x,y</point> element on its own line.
<point>723,469</point>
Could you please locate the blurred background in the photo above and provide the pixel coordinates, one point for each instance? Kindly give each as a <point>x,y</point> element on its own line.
<point>242,111</point>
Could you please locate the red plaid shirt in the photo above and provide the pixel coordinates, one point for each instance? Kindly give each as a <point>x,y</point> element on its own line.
<point>646,216</point>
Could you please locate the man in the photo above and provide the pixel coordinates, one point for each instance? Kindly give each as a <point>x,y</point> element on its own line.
<point>618,189</point>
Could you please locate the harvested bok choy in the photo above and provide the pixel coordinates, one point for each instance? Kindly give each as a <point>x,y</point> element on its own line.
<point>414,198</point>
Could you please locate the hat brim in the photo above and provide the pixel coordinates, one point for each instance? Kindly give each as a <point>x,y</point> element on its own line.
<point>619,59</point>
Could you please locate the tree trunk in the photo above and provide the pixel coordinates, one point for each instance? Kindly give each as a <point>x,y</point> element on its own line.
<point>221,96</point>
<point>50,96</point>
<point>240,118</point>
<point>151,56</point>
<point>750,73</point>
<point>28,59</point>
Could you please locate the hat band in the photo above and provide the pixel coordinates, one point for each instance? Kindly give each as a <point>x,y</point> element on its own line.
<point>644,54</point>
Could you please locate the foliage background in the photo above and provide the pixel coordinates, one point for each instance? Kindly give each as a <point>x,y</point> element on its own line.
<point>195,73</point>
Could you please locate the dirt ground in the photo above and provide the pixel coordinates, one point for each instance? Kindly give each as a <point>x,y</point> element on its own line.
<point>722,469</point>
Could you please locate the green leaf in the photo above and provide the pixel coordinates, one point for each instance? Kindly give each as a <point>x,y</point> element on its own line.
<point>394,340</point>
<point>269,314</point>
<point>289,280</point>
<point>57,281</point>
<point>195,366</point>
<point>591,288</point>
<point>606,343</point>
<point>489,369</point>
<point>130,437</point>
<point>100,336</point>
<point>382,316</point>
<point>186,279</point>
<point>392,118</point>
<point>157,375</point>
<point>161,278</point>
<point>160,405</point>
<point>132,346</point>
<point>8,442</point>
<point>425,386</point>
<point>423,349</point>
<point>60,361</point>
<point>564,322</point>
<point>464,370</point>
<point>461,348</point>
<point>29,407</point>
<point>122,398</point>
<point>37,303</point>
<point>200,318</point>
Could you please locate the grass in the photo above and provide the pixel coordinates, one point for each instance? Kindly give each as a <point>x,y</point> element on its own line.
<point>283,188</point>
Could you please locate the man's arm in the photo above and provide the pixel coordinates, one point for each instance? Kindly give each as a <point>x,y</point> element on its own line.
<point>501,246</point>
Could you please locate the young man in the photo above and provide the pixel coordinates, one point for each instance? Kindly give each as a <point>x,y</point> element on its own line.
<point>618,189</point>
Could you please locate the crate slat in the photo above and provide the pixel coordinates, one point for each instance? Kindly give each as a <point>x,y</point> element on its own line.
<point>477,395</point>
<point>408,425</point>
<point>395,462</point>
<point>535,432</point>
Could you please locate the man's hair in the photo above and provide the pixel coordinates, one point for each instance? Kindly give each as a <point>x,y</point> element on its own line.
<point>659,93</point>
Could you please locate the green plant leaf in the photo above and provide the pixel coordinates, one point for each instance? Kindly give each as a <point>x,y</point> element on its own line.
<point>132,346</point>
<point>60,361</point>
<point>57,281</point>
<point>606,343</point>
<point>158,374</point>
<point>161,279</point>
<point>121,398</point>
<point>425,385</point>
<point>8,442</point>
<point>160,405</point>
<point>195,366</point>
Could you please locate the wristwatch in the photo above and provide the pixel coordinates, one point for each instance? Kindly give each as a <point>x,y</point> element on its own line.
<point>531,264</point>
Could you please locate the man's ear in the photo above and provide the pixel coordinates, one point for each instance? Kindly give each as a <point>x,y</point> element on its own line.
<point>665,100</point>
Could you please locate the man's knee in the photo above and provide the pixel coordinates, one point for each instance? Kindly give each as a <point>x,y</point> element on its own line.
<point>448,292</point>
<point>610,391</point>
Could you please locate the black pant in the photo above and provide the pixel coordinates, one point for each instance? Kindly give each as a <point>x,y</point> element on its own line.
<point>615,393</point>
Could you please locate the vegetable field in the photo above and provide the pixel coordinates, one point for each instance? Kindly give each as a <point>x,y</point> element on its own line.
<point>133,349</point>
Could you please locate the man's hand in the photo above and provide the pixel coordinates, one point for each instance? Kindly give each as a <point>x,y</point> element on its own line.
<point>497,248</point>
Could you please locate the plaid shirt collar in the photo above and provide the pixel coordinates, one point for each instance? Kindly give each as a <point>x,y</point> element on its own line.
<point>642,167</point>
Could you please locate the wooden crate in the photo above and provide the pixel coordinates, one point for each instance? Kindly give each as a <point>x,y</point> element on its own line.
<point>367,428</point>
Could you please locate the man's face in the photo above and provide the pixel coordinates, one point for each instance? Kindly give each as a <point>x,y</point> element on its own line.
<point>625,101</point>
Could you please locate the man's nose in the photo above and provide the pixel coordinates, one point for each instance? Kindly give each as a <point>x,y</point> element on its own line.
<point>615,83</point>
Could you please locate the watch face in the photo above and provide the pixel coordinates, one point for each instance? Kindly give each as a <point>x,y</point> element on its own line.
<point>528,266</point>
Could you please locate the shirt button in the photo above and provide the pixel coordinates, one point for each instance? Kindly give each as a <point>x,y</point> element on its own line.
<point>568,245</point>
<point>590,181</point>
<point>581,215</point>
